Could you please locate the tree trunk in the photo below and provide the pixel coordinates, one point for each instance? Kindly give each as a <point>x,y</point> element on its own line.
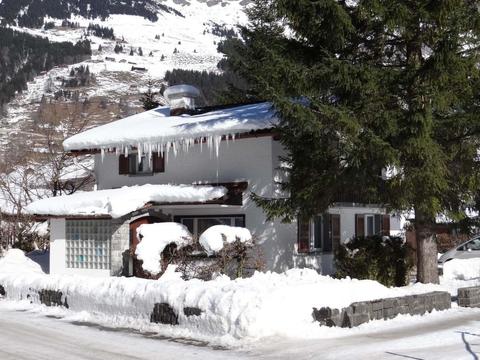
<point>427,263</point>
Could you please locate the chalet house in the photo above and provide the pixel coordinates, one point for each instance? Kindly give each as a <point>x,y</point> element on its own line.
<point>198,167</point>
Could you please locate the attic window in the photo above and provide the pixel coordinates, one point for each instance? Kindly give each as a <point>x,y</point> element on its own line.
<point>133,165</point>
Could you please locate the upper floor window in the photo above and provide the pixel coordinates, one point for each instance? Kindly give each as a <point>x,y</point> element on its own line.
<point>144,165</point>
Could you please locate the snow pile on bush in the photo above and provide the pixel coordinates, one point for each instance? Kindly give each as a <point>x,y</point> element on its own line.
<point>155,238</point>
<point>212,239</point>
<point>462,269</point>
<point>267,304</point>
<point>15,262</point>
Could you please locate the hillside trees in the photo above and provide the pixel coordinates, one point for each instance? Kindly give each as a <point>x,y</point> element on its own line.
<point>22,56</point>
<point>31,13</point>
<point>36,166</point>
<point>369,88</point>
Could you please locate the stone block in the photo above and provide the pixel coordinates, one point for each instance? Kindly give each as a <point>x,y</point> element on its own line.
<point>352,320</point>
<point>361,307</point>
<point>388,303</point>
<point>52,298</point>
<point>377,305</point>
<point>469,296</point>
<point>192,311</point>
<point>163,313</point>
<point>390,313</point>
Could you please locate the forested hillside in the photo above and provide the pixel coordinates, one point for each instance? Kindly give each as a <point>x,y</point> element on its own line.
<point>31,13</point>
<point>23,56</point>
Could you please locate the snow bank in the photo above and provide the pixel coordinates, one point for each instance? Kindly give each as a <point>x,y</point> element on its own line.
<point>155,237</point>
<point>213,238</point>
<point>462,269</point>
<point>267,304</point>
<point>119,202</point>
<point>15,262</point>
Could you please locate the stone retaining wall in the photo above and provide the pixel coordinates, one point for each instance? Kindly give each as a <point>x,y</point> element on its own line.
<point>469,296</point>
<point>365,311</point>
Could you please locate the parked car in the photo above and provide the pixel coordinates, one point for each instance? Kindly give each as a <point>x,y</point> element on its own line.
<point>467,250</point>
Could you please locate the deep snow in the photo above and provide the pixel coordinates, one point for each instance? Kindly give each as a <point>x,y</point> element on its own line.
<point>234,311</point>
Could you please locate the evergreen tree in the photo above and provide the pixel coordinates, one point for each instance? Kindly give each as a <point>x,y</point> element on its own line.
<point>148,97</point>
<point>365,86</point>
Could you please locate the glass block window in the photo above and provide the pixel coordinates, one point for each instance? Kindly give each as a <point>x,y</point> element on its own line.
<point>88,244</point>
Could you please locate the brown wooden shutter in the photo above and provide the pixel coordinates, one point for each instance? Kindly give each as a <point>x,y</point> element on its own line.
<point>386,225</point>
<point>359,225</point>
<point>123,165</point>
<point>335,232</point>
<point>303,236</point>
<point>158,163</point>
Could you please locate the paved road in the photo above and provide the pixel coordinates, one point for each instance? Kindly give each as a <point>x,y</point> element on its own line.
<point>451,335</point>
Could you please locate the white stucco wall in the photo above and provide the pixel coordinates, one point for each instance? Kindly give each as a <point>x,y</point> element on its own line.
<point>254,160</point>
<point>245,159</point>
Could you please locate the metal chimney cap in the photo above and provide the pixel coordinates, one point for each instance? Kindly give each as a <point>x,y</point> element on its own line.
<point>181,91</point>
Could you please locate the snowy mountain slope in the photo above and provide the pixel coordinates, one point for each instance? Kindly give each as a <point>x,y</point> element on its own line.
<point>170,42</point>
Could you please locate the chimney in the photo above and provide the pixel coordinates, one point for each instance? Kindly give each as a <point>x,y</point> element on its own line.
<point>181,99</point>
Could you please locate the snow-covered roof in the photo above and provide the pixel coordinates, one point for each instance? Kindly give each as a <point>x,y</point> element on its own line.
<point>119,202</point>
<point>158,130</point>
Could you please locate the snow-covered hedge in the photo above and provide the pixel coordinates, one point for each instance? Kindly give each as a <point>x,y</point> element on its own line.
<point>267,304</point>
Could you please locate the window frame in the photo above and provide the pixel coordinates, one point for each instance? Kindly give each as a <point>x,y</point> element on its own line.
<point>195,218</point>
<point>129,165</point>
<point>330,237</point>
<point>134,164</point>
<point>366,217</point>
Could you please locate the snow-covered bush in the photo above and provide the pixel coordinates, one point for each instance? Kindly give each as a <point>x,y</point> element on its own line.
<point>384,259</point>
<point>221,249</point>
<point>155,239</point>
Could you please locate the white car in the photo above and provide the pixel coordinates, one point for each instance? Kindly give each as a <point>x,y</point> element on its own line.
<point>467,250</point>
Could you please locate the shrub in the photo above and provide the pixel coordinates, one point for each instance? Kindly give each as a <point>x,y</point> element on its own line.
<point>384,259</point>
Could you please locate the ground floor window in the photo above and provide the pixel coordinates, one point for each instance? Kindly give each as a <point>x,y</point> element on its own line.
<point>88,244</point>
<point>319,234</point>
<point>372,224</point>
<point>198,224</point>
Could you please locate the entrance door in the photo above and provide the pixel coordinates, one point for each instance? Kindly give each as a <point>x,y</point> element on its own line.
<point>135,266</point>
